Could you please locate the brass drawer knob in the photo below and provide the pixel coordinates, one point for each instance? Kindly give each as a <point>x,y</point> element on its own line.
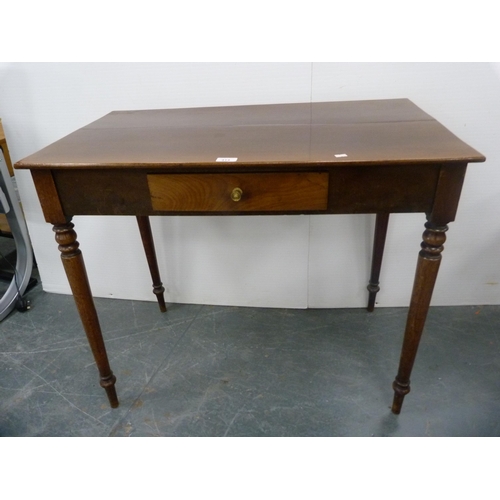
<point>236,194</point>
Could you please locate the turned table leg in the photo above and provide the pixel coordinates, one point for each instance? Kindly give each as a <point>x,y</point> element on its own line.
<point>425,277</point>
<point>381,223</point>
<point>77,276</point>
<point>149,249</point>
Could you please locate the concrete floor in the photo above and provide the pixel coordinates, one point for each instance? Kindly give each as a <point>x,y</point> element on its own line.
<point>233,371</point>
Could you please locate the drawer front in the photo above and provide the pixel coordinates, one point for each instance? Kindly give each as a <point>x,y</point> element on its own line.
<point>253,192</point>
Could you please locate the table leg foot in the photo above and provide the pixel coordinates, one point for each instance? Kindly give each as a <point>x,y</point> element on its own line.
<point>400,391</point>
<point>381,224</point>
<point>108,384</point>
<point>373,289</point>
<point>428,263</point>
<point>74,266</point>
<point>149,249</point>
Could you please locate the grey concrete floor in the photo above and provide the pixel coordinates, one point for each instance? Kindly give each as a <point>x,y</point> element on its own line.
<point>234,371</point>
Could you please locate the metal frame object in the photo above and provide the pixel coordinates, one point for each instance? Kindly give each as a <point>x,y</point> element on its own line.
<point>9,205</point>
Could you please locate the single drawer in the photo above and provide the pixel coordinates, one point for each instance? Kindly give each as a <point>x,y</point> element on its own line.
<point>235,192</point>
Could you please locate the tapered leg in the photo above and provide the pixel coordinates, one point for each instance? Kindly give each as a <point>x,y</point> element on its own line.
<point>149,248</point>
<point>77,276</point>
<point>425,277</point>
<point>381,223</point>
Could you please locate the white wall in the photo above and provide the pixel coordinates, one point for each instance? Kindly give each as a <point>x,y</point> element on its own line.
<point>297,261</point>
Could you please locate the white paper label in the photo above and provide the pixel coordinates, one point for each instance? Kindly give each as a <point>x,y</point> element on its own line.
<point>226,159</point>
<point>342,155</point>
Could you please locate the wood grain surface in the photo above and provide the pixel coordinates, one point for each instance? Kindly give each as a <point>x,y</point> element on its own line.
<point>268,192</point>
<point>354,132</point>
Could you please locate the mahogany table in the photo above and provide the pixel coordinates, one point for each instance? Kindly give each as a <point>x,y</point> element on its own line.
<point>381,157</point>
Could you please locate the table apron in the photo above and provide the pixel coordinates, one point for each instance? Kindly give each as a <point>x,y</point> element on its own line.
<point>335,190</point>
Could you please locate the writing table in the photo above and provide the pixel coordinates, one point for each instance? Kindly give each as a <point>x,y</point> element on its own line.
<point>380,157</point>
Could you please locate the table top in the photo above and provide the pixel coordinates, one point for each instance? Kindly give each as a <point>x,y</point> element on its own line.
<point>373,132</point>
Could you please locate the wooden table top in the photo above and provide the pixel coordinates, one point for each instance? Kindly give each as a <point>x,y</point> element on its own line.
<point>323,133</point>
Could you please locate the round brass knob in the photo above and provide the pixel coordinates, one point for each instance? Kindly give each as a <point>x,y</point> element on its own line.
<point>236,194</point>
